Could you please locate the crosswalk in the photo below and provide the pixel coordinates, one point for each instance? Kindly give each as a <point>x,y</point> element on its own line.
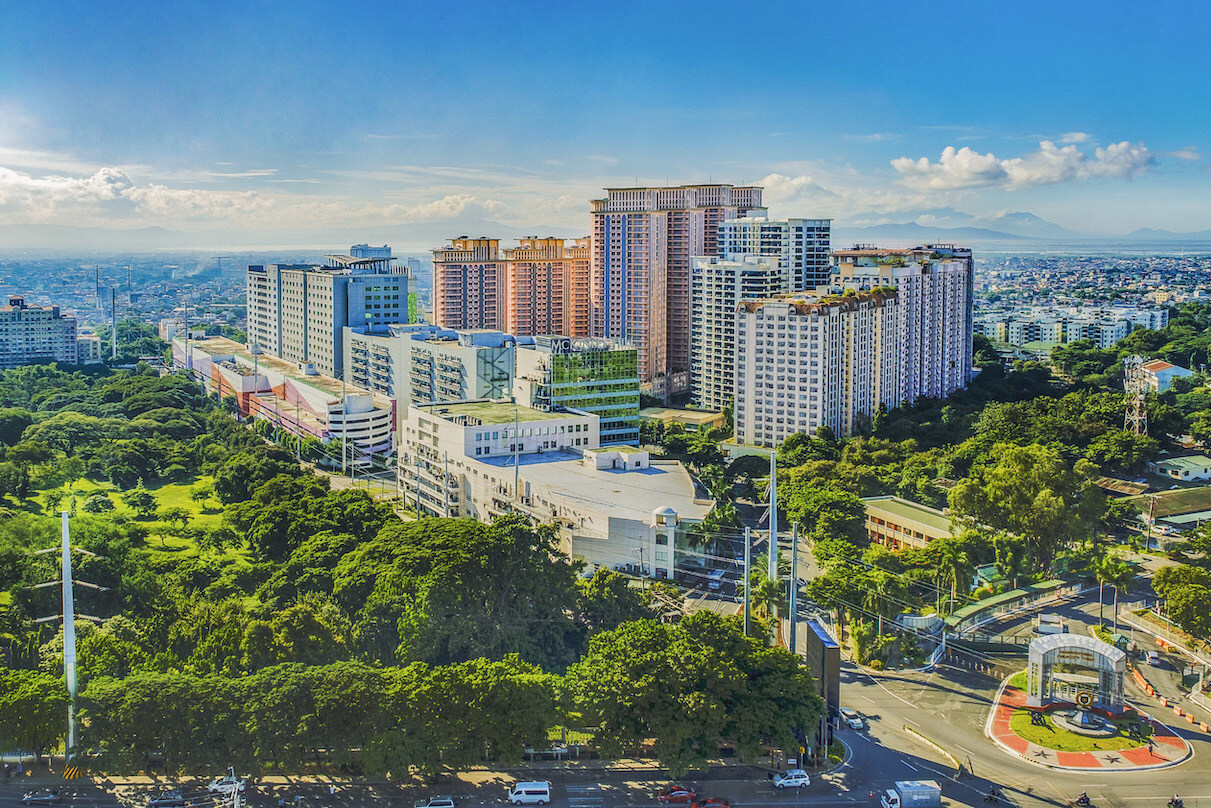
<point>588,795</point>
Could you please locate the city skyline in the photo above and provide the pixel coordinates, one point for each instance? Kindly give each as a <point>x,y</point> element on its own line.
<point>286,122</point>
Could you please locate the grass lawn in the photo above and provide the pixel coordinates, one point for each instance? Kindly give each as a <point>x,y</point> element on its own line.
<point>1018,680</point>
<point>1062,740</point>
<point>168,495</point>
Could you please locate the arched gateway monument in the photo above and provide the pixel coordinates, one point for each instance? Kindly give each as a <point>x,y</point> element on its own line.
<point>1075,669</point>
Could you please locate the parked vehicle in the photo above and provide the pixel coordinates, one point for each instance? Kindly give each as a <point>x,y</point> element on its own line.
<point>851,719</point>
<point>676,794</point>
<point>716,802</point>
<point>166,799</point>
<point>1154,659</point>
<point>792,778</point>
<point>913,794</point>
<point>435,802</point>
<point>225,785</point>
<point>537,792</point>
<point>41,796</point>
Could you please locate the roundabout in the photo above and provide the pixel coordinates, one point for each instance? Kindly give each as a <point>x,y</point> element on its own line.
<point>1053,736</point>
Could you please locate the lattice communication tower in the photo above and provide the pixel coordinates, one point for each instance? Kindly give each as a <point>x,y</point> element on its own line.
<point>1135,420</point>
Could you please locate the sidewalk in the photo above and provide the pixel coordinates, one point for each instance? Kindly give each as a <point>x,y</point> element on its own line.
<point>1168,749</point>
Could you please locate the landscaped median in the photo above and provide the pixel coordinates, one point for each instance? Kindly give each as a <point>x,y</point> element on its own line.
<point>1034,735</point>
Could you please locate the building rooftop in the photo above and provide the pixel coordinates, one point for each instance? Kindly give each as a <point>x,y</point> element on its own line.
<point>221,346</point>
<point>1176,502</point>
<point>491,412</point>
<point>1195,464</point>
<point>911,511</point>
<point>1157,365</point>
<point>1118,486</point>
<point>631,494</point>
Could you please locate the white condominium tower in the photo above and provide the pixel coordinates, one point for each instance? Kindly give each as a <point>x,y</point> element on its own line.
<point>801,244</point>
<point>806,361</point>
<point>643,241</point>
<point>935,286</point>
<point>299,311</point>
<point>719,286</point>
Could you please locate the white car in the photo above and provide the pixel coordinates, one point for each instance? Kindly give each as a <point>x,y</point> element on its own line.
<point>851,719</point>
<point>792,778</point>
<point>1154,659</point>
<point>226,785</point>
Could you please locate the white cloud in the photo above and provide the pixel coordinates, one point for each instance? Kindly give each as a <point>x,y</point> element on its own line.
<point>1187,153</point>
<point>958,169</point>
<point>1075,137</point>
<point>110,194</point>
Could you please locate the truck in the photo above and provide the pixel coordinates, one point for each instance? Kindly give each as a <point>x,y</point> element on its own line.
<point>1050,624</point>
<point>912,794</point>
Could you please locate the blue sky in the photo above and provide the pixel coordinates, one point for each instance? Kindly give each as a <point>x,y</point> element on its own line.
<point>281,118</point>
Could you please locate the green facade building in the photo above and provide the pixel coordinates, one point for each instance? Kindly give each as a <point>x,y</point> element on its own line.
<point>597,376</point>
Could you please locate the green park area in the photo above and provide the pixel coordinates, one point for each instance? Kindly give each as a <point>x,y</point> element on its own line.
<point>1061,740</point>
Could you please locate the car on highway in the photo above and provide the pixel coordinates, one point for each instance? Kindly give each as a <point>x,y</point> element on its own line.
<point>41,796</point>
<point>851,719</point>
<point>225,785</point>
<point>1154,659</point>
<point>437,801</point>
<point>712,802</point>
<point>166,799</point>
<point>676,794</point>
<point>792,778</point>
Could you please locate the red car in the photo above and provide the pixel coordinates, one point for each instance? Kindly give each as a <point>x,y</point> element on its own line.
<point>677,794</point>
<point>712,802</point>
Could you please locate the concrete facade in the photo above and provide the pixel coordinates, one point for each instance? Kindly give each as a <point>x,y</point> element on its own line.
<point>800,245</point>
<point>805,361</point>
<point>32,334</point>
<point>299,311</point>
<point>611,506</point>
<point>643,243</point>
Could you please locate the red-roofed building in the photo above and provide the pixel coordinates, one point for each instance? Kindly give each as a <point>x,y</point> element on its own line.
<point>1160,374</point>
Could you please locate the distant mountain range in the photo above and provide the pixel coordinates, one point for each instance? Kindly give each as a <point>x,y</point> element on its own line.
<point>921,226</point>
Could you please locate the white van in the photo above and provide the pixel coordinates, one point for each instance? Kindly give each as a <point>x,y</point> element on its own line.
<point>537,792</point>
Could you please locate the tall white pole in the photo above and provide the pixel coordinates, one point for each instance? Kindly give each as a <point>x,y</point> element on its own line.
<point>748,581</point>
<point>773,516</point>
<point>69,640</point>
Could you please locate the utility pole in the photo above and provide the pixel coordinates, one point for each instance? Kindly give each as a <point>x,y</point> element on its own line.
<point>69,625</point>
<point>344,424</point>
<point>794,599</point>
<point>773,516</point>
<point>748,582</point>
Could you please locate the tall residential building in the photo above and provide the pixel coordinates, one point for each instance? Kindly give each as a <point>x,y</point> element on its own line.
<point>643,240</point>
<point>800,244</point>
<point>936,295</point>
<point>600,377</point>
<point>299,311</point>
<point>806,361</point>
<point>540,286</point>
<point>719,286</point>
<point>31,334</point>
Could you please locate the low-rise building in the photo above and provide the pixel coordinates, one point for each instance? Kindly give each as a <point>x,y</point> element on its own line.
<point>1159,374</point>
<point>1192,467</point>
<point>612,506</point>
<point>88,349</point>
<point>292,397</point>
<point>899,523</point>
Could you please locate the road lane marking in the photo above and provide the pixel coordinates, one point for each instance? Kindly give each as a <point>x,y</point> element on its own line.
<point>909,765</point>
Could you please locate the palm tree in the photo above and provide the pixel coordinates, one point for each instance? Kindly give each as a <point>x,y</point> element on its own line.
<point>1113,570</point>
